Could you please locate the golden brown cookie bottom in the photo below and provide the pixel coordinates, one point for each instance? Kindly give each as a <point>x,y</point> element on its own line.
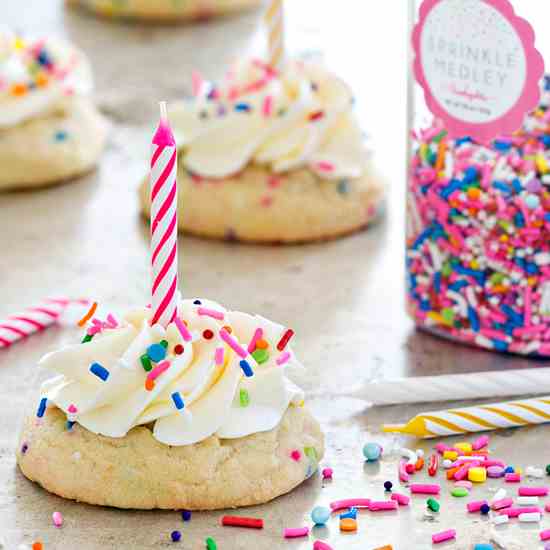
<point>137,471</point>
<point>257,206</point>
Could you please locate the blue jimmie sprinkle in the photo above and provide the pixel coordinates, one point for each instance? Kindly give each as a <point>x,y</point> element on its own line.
<point>100,371</point>
<point>500,345</point>
<point>473,318</point>
<point>247,369</point>
<point>351,514</point>
<point>42,407</point>
<point>178,401</point>
<point>61,135</point>
<point>242,107</point>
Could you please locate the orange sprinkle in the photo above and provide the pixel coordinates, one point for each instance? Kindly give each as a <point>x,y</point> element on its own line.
<point>452,472</point>
<point>262,344</point>
<point>88,315</point>
<point>228,329</point>
<point>42,80</point>
<point>387,547</point>
<point>419,464</point>
<point>348,524</point>
<point>18,89</point>
<point>474,193</point>
<point>37,545</point>
<point>499,289</point>
<point>440,161</point>
<point>149,384</point>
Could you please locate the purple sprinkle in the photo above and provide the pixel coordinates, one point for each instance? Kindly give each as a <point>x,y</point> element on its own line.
<point>534,185</point>
<point>24,448</point>
<point>495,471</point>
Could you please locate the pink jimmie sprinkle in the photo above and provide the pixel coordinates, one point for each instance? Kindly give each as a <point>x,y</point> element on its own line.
<point>475,506</point>
<point>158,370</point>
<point>327,473</point>
<point>283,358</point>
<point>267,107</point>
<point>72,409</point>
<point>258,333</point>
<point>184,331</point>
<point>533,491</point>
<point>296,455</point>
<point>480,443</point>
<point>219,357</point>
<point>402,500</point>
<point>381,505</point>
<point>424,489</point>
<point>444,536</point>
<point>324,166</point>
<point>294,532</point>
<point>274,181</point>
<point>211,313</point>
<point>57,519</point>
<point>349,503</point>
<point>232,343</point>
<point>319,545</point>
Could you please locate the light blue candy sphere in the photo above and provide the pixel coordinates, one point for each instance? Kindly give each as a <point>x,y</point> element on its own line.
<point>372,451</point>
<point>320,515</point>
<point>532,201</point>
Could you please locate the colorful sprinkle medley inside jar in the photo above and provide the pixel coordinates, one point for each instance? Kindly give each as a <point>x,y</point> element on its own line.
<point>478,245</point>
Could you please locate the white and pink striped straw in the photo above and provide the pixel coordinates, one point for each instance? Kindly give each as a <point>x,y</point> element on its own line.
<point>32,320</point>
<point>164,223</point>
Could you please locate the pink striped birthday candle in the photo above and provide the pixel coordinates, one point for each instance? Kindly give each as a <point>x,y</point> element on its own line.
<point>164,223</point>
<point>32,320</point>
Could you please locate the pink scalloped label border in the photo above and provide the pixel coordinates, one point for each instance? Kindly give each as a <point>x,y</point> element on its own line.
<point>524,100</point>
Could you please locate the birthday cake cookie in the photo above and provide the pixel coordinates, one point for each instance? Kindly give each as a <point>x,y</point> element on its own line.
<point>164,10</point>
<point>49,129</point>
<point>199,415</point>
<point>478,254</point>
<point>272,157</point>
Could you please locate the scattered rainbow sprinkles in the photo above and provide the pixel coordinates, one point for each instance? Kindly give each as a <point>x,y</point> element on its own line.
<point>478,252</point>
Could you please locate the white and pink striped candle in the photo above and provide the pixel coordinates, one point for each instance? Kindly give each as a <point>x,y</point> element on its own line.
<point>34,319</point>
<point>164,223</point>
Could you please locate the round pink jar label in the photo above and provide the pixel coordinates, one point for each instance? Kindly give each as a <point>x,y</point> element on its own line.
<point>477,63</point>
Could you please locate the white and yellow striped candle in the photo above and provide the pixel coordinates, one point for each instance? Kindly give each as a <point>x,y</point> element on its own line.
<point>275,24</point>
<point>480,418</point>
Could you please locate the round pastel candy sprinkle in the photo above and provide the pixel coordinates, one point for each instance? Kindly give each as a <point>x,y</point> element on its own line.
<point>532,201</point>
<point>185,515</point>
<point>485,509</point>
<point>495,471</point>
<point>372,451</point>
<point>459,492</point>
<point>388,485</point>
<point>320,515</point>
<point>260,355</point>
<point>175,536</point>
<point>164,343</point>
<point>156,352</point>
<point>433,505</point>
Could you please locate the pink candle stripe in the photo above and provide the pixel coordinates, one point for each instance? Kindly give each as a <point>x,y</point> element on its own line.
<point>258,333</point>
<point>283,358</point>
<point>233,344</point>
<point>158,370</point>
<point>294,532</point>
<point>211,313</point>
<point>219,356</point>
<point>184,331</point>
<point>164,241</point>
<point>349,503</point>
<point>32,320</point>
<point>267,106</point>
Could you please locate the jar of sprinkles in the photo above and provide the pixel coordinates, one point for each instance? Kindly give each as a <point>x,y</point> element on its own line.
<point>478,191</point>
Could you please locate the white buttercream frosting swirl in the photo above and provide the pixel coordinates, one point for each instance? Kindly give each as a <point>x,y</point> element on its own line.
<point>302,117</point>
<point>38,77</point>
<point>218,398</point>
